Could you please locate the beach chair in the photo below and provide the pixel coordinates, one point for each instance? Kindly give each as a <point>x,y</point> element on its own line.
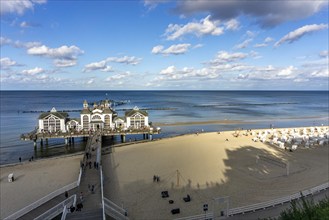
<point>187,198</point>
<point>175,211</point>
<point>164,194</point>
<point>11,177</point>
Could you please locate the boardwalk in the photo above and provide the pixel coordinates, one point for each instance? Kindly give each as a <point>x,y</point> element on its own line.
<point>88,192</point>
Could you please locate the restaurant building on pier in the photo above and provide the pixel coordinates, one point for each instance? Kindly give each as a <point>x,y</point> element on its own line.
<point>92,118</point>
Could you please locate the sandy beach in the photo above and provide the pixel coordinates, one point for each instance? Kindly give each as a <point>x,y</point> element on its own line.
<point>34,180</point>
<point>204,166</point>
<point>207,166</point>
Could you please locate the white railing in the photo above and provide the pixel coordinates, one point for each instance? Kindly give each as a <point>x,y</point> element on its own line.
<point>67,206</point>
<point>274,202</point>
<point>262,205</point>
<point>197,217</point>
<point>79,178</point>
<point>113,210</point>
<point>56,210</point>
<point>102,192</point>
<point>41,201</point>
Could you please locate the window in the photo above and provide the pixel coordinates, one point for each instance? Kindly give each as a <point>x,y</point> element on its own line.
<point>85,120</point>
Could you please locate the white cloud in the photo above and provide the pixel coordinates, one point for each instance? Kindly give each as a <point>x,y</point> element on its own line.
<point>34,71</point>
<point>60,52</point>
<point>6,63</point>
<point>265,43</point>
<point>151,4</point>
<point>266,13</point>
<point>198,46</point>
<point>300,80</point>
<point>5,41</point>
<point>224,57</point>
<point>203,27</point>
<point>268,40</point>
<point>232,24</point>
<point>324,53</point>
<point>65,63</point>
<point>320,73</point>
<point>90,81</point>
<point>26,24</point>
<point>157,49</point>
<point>260,45</point>
<point>102,66</point>
<point>243,45</point>
<point>173,49</point>
<point>300,32</point>
<point>118,76</point>
<point>63,56</point>
<point>168,70</point>
<point>172,73</point>
<point>125,59</point>
<point>287,72</point>
<point>18,6</point>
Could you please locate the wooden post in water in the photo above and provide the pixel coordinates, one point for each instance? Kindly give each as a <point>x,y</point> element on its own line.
<point>177,178</point>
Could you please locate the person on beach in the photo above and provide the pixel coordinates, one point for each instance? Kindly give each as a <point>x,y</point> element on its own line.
<point>20,159</point>
<point>81,196</point>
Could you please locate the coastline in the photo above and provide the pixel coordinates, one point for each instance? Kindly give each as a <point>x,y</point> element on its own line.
<point>230,122</point>
<point>186,153</point>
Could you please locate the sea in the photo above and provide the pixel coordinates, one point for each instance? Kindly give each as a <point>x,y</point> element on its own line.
<point>173,111</point>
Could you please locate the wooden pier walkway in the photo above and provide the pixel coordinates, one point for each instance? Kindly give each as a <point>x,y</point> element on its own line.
<point>88,192</point>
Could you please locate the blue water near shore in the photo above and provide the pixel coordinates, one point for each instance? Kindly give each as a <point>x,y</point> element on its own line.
<point>251,109</point>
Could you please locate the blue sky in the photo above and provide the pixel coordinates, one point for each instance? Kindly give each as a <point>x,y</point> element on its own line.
<point>164,44</point>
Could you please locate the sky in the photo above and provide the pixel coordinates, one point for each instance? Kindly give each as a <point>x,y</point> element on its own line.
<point>164,45</point>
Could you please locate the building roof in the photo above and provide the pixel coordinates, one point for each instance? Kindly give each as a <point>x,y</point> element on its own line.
<point>107,111</point>
<point>85,111</point>
<point>61,115</point>
<point>131,112</point>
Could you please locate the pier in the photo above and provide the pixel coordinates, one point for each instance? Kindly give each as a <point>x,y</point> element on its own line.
<point>86,195</point>
<point>99,118</point>
<point>68,137</point>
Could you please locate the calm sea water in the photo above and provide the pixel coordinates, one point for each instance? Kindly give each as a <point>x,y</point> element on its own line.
<point>280,108</point>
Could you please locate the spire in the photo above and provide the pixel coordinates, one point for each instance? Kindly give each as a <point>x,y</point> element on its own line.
<point>85,104</point>
<point>107,104</point>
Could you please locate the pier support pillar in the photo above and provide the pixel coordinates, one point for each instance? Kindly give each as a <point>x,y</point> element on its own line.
<point>123,138</point>
<point>72,140</point>
<point>46,141</point>
<point>66,141</point>
<point>150,135</point>
<point>41,142</point>
<point>35,143</point>
<point>144,136</point>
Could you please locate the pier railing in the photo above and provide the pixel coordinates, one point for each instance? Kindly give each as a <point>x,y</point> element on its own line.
<point>262,205</point>
<point>114,211</point>
<point>58,209</point>
<point>44,199</point>
<point>102,191</point>
<point>83,133</point>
